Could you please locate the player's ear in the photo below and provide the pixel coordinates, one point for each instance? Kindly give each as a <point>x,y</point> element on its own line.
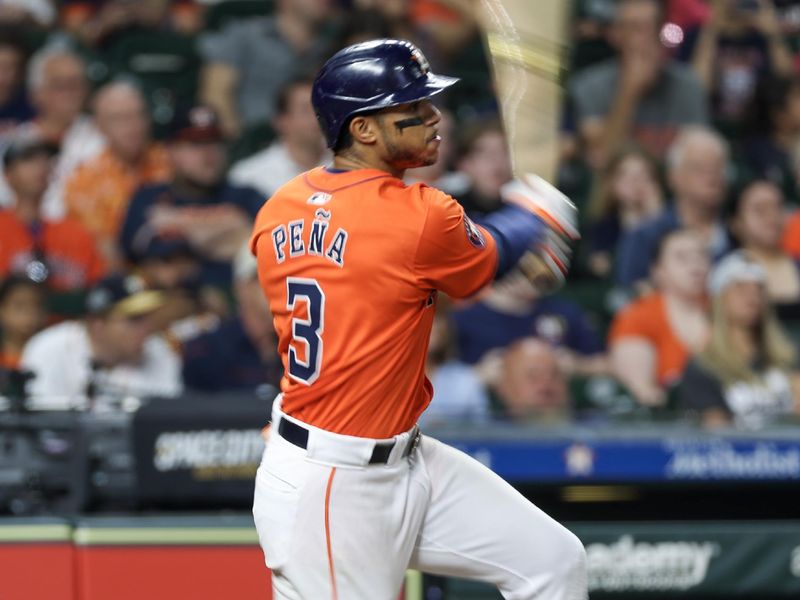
<point>364,129</point>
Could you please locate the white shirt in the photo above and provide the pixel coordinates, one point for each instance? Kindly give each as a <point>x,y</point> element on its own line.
<point>61,358</point>
<point>81,142</point>
<point>268,169</point>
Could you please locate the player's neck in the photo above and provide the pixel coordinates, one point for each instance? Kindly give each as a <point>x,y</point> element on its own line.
<point>352,161</point>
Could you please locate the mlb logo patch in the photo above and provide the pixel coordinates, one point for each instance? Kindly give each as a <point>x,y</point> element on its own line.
<point>319,198</point>
<point>474,234</point>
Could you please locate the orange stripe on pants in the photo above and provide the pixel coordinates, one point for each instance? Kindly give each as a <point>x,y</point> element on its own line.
<point>328,532</point>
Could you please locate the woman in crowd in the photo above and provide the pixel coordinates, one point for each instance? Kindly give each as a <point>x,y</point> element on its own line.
<point>628,194</point>
<point>651,339</point>
<point>757,223</point>
<point>747,373</point>
<point>22,314</point>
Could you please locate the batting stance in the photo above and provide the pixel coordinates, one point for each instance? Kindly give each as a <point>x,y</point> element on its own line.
<point>349,494</point>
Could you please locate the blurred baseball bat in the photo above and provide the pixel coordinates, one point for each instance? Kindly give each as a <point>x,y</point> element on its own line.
<point>527,42</point>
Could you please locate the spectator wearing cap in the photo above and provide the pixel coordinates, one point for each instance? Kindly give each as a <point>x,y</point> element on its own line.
<point>533,387</point>
<point>60,252</point>
<point>242,352</point>
<point>651,339</point>
<point>22,313</point>
<point>512,310</point>
<point>639,95</point>
<point>97,194</point>
<point>15,107</point>
<point>298,148</point>
<point>748,372</point>
<point>757,224</point>
<point>58,90</point>
<point>696,176</point>
<point>111,355</point>
<point>249,60</point>
<point>198,204</point>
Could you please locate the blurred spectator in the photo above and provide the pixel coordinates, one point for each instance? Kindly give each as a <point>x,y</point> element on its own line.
<point>97,194</point>
<point>771,150</point>
<point>249,60</point>
<point>758,225</point>
<point>109,356</point>
<point>22,314</point>
<point>58,89</point>
<point>397,16</point>
<point>511,310</point>
<point>748,372</point>
<point>628,194</point>
<point>363,25</point>
<point>791,236</point>
<point>641,94</point>
<point>484,159</point>
<point>198,205</point>
<point>242,352</point>
<point>739,44</point>
<point>24,13</point>
<point>299,147</point>
<point>533,388</point>
<point>696,171</point>
<point>96,22</point>
<point>14,105</point>
<point>58,251</point>
<point>651,339</point>
<point>458,393</point>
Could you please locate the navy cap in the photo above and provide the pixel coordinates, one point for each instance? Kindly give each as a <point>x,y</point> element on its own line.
<point>198,124</point>
<point>122,296</point>
<point>26,145</point>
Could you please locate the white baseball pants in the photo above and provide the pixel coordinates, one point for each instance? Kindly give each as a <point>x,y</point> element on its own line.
<point>333,527</point>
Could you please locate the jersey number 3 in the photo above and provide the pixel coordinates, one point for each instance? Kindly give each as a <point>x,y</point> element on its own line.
<point>306,331</point>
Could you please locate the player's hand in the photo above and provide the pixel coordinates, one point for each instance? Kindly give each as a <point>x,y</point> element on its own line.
<point>547,263</point>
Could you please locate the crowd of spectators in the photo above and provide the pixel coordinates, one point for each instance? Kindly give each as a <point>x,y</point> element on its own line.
<point>139,140</point>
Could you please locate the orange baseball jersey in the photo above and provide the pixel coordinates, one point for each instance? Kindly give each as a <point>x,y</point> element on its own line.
<point>350,263</point>
<point>67,246</point>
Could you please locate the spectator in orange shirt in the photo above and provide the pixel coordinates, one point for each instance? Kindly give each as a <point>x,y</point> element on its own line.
<point>98,192</point>
<point>22,314</point>
<point>651,339</point>
<point>60,252</point>
<point>791,236</point>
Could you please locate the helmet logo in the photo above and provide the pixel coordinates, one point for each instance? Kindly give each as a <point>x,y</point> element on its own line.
<point>419,58</point>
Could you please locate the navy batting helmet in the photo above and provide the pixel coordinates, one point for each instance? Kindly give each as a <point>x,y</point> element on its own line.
<point>371,76</point>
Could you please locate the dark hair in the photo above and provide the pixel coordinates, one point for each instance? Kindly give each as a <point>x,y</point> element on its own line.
<point>473,131</point>
<point>661,244</point>
<point>11,38</point>
<point>604,203</point>
<point>734,203</point>
<point>14,282</point>
<point>771,97</point>
<point>285,92</point>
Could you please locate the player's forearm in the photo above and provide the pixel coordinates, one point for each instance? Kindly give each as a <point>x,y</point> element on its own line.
<point>514,230</point>
<point>705,56</point>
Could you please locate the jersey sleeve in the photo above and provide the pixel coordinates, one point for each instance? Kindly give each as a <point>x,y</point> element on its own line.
<point>454,254</point>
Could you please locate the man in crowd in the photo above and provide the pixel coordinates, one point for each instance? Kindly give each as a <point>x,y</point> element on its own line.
<point>58,90</point>
<point>696,172</point>
<point>248,61</point>
<point>640,94</point>
<point>111,355</point>
<point>197,204</point>
<point>533,387</point>
<point>57,251</point>
<point>97,194</point>
<point>242,352</point>
<point>298,148</point>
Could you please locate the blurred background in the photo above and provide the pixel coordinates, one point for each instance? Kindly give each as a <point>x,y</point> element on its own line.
<point>652,404</point>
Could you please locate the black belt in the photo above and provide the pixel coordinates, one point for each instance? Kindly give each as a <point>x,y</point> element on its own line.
<point>298,435</point>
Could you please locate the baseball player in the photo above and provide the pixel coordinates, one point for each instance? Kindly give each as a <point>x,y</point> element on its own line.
<point>349,494</point>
